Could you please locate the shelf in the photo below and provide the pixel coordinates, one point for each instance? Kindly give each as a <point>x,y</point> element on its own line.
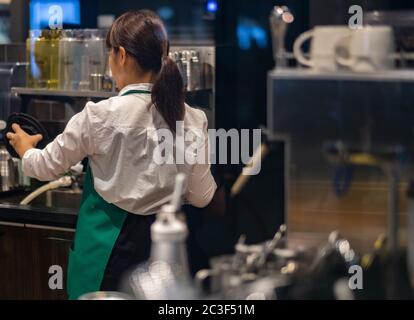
<point>403,75</point>
<point>17,91</point>
<point>61,93</point>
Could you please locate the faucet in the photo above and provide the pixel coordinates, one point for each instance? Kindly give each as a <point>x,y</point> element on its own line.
<point>76,173</point>
<point>71,180</point>
<point>280,18</point>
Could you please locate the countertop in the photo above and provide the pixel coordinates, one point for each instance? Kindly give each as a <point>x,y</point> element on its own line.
<point>31,216</point>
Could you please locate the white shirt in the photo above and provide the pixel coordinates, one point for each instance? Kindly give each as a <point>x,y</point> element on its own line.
<point>117,137</point>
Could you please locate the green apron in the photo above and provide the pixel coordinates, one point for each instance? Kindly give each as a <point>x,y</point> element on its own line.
<point>98,228</point>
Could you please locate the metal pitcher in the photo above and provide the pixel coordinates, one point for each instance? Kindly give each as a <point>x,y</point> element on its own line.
<point>9,172</point>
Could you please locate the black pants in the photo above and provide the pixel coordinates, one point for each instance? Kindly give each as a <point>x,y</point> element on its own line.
<point>132,247</point>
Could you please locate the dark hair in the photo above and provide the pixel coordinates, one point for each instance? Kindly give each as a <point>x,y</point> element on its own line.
<point>143,36</point>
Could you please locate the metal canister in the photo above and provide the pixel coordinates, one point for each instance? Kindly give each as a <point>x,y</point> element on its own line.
<point>193,69</point>
<point>177,57</point>
<point>186,62</point>
<point>96,82</point>
<point>196,69</point>
<point>8,172</point>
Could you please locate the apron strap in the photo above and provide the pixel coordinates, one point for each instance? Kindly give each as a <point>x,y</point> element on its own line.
<point>130,92</point>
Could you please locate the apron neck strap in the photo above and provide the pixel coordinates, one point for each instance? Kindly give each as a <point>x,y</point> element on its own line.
<point>135,92</point>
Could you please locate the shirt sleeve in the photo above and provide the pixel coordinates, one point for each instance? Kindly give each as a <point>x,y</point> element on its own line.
<point>202,186</point>
<point>68,149</point>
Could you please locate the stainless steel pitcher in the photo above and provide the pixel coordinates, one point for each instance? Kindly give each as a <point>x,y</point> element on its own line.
<point>10,175</point>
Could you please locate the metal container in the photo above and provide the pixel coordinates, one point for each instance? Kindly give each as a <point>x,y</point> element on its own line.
<point>10,176</point>
<point>96,82</point>
<point>168,236</point>
<point>192,65</point>
<point>186,62</point>
<point>177,57</point>
<point>196,71</point>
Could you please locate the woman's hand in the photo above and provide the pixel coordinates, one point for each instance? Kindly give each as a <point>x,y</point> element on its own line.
<point>21,141</point>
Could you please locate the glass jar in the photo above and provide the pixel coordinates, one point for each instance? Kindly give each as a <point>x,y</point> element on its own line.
<point>71,49</point>
<point>95,53</point>
<point>42,49</point>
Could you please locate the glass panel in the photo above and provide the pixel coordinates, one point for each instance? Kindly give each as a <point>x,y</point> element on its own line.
<point>331,126</point>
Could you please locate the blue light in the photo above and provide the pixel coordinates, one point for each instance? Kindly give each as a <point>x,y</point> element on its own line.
<point>249,32</point>
<point>212,6</point>
<point>39,12</point>
<point>166,12</point>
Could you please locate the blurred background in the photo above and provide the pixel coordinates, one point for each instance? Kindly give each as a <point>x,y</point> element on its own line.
<point>230,46</point>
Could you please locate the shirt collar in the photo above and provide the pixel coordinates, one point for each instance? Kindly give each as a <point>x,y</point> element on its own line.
<point>138,86</point>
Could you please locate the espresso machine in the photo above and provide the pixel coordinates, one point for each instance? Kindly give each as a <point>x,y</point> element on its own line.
<point>11,75</point>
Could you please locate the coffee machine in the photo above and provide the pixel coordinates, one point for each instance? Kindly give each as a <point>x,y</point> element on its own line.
<point>11,75</point>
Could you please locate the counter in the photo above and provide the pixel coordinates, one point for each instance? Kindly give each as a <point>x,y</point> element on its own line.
<point>13,214</point>
<point>32,239</point>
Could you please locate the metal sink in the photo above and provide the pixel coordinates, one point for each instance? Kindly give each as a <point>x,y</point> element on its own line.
<point>61,198</point>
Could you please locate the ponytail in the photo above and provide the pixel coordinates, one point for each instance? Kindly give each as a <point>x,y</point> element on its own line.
<point>143,36</point>
<point>168,93</point>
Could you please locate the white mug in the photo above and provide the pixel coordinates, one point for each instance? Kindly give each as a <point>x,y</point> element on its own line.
<point>323,47</point>
<point>368,49</point>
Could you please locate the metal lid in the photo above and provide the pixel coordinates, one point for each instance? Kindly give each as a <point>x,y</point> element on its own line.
<point>168,227</point>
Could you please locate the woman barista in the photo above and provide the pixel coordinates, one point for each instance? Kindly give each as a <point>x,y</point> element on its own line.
<point>124,188</point>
